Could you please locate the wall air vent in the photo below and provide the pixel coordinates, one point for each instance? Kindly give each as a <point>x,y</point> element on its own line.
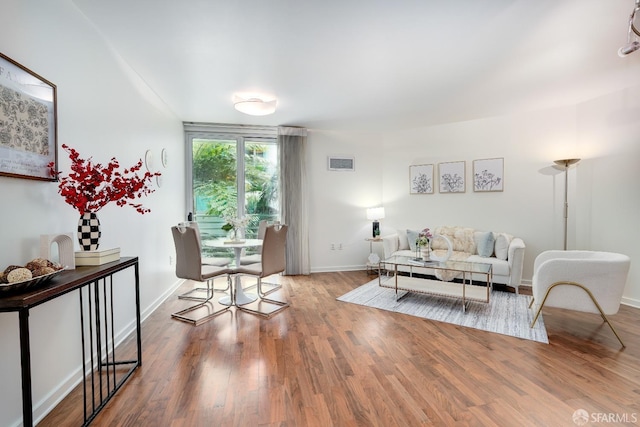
<point>341,163</point>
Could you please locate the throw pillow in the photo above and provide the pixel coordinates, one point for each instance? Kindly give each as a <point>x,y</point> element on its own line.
<point>503,241</point>
<point>485,243</point>
<point>403,243</point>
<point>412,236</point>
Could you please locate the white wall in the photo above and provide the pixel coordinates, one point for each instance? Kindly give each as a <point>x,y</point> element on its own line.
<point>104,111</point>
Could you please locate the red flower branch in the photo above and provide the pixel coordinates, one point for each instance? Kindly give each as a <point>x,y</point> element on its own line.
<point>91,186</point>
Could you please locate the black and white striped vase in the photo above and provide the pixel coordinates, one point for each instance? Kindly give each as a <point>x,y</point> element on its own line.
<point>89,231</point>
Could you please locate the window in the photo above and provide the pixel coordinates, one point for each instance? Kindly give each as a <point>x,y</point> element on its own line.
<point>232,171</point>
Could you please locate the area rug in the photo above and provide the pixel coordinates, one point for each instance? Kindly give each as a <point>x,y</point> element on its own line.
<point>506,313</point>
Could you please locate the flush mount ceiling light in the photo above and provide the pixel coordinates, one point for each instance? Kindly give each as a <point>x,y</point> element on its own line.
<point>254,105</point>
<point>633,43</point>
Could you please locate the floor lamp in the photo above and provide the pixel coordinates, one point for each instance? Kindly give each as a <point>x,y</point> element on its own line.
<point>566,163</point>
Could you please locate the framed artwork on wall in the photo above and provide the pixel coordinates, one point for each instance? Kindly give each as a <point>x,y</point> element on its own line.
<point>28,123</point>
<point>421,179</point>
<point>488,175</point>
<point>452,177</point>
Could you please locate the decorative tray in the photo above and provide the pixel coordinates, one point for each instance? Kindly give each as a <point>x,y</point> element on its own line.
<point>27,284</point>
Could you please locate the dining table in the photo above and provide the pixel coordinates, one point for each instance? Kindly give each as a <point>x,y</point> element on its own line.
<point>238,296</point>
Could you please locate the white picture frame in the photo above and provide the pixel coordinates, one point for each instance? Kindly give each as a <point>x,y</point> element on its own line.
<point>421,179</point>
<point>452,177</point>
<point>488,175</point>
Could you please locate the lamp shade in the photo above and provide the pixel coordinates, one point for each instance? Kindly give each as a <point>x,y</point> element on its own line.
<point>375,213</point>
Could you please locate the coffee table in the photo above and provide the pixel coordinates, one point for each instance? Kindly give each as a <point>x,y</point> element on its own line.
<point>466,291</point>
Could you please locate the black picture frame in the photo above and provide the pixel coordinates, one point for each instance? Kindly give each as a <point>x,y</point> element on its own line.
<point>28,122</point>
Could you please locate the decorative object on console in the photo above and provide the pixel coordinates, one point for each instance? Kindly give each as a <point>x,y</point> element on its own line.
<point>452,177</point>
<point>95,257</point>
<point>65,248</point>
<point>91,186</point>
<point>28,122</point>
<point>89,231</point>
<point>421,179</point>
<point>566,163</point>
<point>488,175</point>
<point>375,214</point>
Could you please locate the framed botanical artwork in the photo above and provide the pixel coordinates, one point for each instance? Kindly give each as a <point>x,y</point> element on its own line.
<point>488,175</point>
<point>421,179</point>
<point>28,123</point>
<point>452,177</point>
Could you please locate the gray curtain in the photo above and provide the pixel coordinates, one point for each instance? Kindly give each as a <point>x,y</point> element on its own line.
<point>294,205</point>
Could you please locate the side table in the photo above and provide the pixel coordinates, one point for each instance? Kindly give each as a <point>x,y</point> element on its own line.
<point>373,262</point>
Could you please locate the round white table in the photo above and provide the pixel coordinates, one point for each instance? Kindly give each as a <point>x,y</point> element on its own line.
<point>237,297</point>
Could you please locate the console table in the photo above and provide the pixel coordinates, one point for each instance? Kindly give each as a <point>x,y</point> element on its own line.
<point>95,289</point>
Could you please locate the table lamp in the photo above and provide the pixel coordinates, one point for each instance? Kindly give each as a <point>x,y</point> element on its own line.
<point>375,214</point>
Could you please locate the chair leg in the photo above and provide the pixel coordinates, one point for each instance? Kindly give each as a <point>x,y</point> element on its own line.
<point>604,316</point>
<point>209,293</point>
<point>206,307</point>
<point>265,307</point>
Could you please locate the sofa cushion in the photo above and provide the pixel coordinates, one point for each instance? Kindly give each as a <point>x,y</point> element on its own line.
<point>412,236</point>
<point>461,239</point>
<point>503,240</point>
<point>485,242</point>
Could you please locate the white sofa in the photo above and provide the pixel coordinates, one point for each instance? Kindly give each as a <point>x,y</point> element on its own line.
<point>503,251</point>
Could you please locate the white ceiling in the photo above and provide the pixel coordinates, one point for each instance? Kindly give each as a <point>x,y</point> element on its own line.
<point>401,63</point>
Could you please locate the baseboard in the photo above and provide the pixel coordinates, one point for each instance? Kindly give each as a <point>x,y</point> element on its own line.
<point>631,302</point>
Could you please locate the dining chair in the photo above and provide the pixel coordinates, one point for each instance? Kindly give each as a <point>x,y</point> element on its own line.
<point>256,257</point>
<point>189,266</point>
<point>272,261</point>
<point>217,261</point>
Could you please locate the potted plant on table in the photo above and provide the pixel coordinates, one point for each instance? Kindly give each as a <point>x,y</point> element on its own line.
<point>422,244</point>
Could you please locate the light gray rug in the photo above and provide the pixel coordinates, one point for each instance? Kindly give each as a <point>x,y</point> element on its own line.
<point>507,313</point>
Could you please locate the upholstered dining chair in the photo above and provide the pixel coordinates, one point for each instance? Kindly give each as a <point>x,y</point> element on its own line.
<point>586,281</point>
<point>256,257</point>
<point>189,266</point>
<point>272,261</point>
<point>194,294</point>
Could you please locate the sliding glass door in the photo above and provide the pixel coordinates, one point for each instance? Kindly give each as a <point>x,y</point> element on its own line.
<point>232,174</point>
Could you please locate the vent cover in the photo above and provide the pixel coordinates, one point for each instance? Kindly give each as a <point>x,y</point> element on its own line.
<point>340,163</point>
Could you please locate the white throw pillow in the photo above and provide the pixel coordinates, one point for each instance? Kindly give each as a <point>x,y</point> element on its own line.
<point>485,243</point>
<point>412,236</point>
<point>403,242</point>
<point>503,240</point>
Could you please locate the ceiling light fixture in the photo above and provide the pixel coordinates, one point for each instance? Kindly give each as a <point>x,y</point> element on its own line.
<point>633,43</point>
<point>254,106</point>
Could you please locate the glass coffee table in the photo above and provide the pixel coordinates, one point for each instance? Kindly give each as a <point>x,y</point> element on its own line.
<point>465,289</point>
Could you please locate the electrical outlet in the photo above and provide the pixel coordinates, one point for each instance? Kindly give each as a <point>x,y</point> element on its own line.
<point>339,246</point>
<point>333,246</point>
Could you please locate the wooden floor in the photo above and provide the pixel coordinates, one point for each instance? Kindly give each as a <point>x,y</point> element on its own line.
<point>322,362</point>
